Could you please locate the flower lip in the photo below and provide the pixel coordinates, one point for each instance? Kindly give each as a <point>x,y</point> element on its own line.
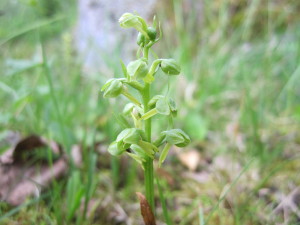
<point>177,137</point>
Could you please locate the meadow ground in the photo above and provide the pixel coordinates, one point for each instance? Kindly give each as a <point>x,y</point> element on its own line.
<point>239,100</point>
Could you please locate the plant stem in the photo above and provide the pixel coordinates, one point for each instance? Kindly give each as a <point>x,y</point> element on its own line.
<point>131,98</point>
<point>148,165</point>
<point>149,114</point>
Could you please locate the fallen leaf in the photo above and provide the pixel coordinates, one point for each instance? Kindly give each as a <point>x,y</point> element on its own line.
<point>146,211</point>
<point>32,186</point>
<point>21,177</point>
<point>24,147</point>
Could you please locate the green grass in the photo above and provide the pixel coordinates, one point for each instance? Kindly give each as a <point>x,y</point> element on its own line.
<point>239,74</point>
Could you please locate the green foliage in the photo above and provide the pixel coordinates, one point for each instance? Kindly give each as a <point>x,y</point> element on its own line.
<point>75,192</point>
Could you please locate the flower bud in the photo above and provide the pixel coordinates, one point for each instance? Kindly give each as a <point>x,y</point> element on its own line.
<point>137,69</point>
<point>151,33</point>
<point>141,40</point>
<point>170,67</point>
<point>177,137</point>
<point>112,88</point>
<point>128,20</point>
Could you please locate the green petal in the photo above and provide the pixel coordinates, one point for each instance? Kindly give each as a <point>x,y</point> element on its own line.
<point>114,150</point>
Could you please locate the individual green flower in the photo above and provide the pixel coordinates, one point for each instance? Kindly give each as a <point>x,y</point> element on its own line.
<point>128,137</point>
<point>170,67</point>
<point>133,138</point>
<point>135,112</point>
<point>177,137</point>
<point>128,108</point>
<point>137,69</point>
<point>131,108</point>
<point>142,152</point>
<point>129,20</point>
<point>141,40</point>
<point>112,88</point>
<point>162,105</point>
<point>172,137</point>
<point>154,67</point>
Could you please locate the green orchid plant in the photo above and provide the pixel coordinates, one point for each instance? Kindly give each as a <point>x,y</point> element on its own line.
<point>138,74</point>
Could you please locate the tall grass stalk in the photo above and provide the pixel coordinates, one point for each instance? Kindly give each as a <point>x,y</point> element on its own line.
<point>163,203</point>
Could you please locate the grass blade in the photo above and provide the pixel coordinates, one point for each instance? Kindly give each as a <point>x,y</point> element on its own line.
<point>201,216</point>
<point>163,203</point>
<point>31,28</point>
<point>231,186</point>
<point>20,207</point>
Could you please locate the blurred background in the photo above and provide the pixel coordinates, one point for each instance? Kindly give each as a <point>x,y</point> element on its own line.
<point>238,98</point>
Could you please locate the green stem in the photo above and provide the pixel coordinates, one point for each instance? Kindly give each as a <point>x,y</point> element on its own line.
<point>146,52</point>
<point>135,85</point>
<point>131,98</point>
<point>149,114</point>
<point>148,165</point>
